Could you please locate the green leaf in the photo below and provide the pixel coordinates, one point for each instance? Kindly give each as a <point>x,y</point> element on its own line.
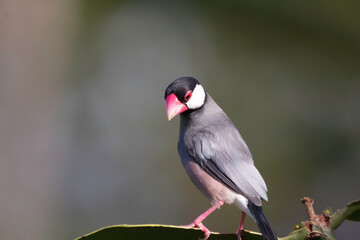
<point>355,208</point>
<point>160,232</point>
<point>350,212</point>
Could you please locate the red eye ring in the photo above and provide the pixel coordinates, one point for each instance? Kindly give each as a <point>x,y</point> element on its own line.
<point>188,95</point>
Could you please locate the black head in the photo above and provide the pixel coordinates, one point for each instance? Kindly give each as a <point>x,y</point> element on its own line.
<point>180,87</point>
<point>183,94</point>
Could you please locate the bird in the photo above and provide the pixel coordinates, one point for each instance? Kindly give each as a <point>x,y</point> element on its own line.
<point>215,156</point>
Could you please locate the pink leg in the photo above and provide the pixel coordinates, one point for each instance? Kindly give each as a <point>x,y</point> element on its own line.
<point>198,221</point>
<point>240,229</point>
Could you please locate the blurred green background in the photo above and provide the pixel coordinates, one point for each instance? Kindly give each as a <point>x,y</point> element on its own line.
<point>85,140</point>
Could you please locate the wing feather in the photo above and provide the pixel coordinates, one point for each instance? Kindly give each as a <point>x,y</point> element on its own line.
<point>223,154</point>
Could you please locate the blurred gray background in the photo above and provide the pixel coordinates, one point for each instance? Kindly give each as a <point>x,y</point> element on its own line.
<point>85,140</point>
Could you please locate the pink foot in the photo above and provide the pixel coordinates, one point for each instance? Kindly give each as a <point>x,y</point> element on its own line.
<point>198,222</point>
<point>205,231</point>
<point>200,225</point>
<point>238,234</point>
<point>240,229</point>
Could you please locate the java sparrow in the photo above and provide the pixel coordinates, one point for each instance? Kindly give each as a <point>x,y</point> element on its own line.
<point>215,156</point>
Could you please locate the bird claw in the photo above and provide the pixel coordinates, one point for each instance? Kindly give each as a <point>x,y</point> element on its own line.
<point>205,231</point>
<point>201,226</point>
<point>238,234</point>
<point>198,221</point>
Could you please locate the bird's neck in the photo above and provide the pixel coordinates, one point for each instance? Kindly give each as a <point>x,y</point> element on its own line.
<point>200,117</point>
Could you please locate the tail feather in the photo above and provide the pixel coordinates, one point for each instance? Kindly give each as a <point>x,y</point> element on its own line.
<point>262,222</point>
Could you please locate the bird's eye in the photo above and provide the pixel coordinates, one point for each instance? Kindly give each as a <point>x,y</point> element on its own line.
<point>187,96</point>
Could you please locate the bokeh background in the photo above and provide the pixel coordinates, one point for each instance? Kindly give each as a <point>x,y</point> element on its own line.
<point>85,140</point>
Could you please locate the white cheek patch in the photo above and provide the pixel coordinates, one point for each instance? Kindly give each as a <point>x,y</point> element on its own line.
<point>197,98</point>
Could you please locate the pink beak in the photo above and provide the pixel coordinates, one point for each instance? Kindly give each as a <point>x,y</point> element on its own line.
<point>174,106</point>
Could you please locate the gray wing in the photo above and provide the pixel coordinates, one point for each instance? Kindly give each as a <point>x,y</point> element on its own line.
<point>223,154</point>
